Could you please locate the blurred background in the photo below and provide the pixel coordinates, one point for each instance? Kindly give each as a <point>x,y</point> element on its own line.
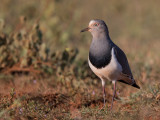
<point>134,25</point>
<point>43,38</point>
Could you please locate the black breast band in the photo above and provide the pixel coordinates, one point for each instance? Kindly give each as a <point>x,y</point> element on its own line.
<point>100,61</point>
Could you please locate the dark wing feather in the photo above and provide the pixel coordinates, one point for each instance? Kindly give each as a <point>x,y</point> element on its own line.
<point>122,59</point>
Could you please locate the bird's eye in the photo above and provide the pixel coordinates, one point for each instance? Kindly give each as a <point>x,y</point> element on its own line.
<point>96,24</point>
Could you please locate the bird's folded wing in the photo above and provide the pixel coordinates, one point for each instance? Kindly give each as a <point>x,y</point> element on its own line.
<point>126,75</point>
<point>127,79</point>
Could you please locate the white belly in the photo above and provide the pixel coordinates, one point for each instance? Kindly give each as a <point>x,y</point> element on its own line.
<point>110,71</point>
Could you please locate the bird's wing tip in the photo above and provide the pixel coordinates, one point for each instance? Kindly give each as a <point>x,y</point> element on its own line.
<point>136,86</point>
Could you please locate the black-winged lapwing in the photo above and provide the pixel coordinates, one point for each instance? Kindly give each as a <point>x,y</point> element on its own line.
<point>106,59</point>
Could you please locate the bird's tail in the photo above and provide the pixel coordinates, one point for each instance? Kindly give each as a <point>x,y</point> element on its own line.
<point>136,86</point>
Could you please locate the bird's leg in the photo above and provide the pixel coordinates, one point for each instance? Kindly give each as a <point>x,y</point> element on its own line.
<point>114,93</point>
<point>104,96</point>
<point>104,93</point>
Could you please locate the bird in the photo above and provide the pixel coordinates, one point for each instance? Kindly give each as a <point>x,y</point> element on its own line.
<point>106,59</point>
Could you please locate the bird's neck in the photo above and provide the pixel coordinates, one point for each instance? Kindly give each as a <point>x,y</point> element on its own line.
<point>101,44</point>
<point>101,35</point>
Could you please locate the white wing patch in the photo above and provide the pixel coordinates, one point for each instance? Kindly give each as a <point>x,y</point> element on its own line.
<point>112,71</point>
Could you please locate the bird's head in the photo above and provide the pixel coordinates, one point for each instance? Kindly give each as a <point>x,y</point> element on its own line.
<point>96,27</point>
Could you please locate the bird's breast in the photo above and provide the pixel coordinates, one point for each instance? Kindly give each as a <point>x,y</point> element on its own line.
<point>109,69</point>
<point>100,57</point>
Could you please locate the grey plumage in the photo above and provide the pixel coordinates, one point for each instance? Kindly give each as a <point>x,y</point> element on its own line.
<point>106,59</point>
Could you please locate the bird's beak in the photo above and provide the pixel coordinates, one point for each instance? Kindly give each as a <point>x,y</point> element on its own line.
<point>85,29</point>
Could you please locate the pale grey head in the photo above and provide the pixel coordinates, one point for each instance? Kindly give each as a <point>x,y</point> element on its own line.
<point>97,27</point>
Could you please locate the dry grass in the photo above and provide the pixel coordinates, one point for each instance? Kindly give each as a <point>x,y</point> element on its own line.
<point>46,98</point>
